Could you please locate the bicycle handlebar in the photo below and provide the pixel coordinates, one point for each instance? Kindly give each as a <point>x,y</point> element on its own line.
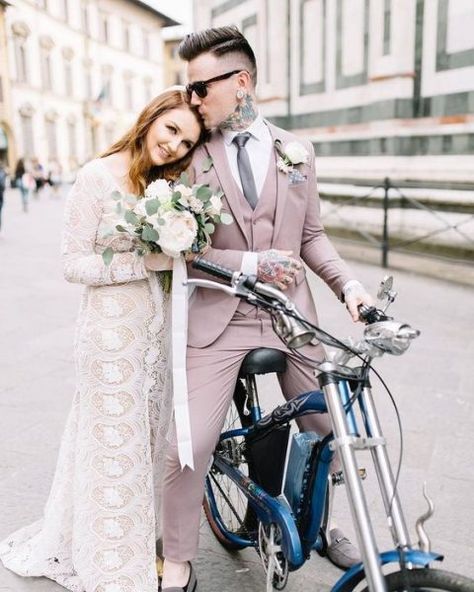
<point>382,333</point>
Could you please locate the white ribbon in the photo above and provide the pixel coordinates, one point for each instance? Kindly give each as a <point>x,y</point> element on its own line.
<point>179,320</point>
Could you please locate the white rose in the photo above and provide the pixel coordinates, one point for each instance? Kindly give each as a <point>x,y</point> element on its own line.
<point>184,190</point>
<point>296,153</point>
<point>160,190</point>
<point>215,206</point>
<point>178,232</point>
<point>195,204</point>
<point>139,209</point>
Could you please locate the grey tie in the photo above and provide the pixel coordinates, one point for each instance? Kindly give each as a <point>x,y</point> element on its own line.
<point>245,170</point>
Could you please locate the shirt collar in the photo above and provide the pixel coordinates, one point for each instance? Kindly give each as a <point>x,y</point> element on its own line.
<point>257,129</point>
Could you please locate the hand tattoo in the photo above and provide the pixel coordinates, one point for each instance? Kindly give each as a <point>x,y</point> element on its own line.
<point>276,268</point>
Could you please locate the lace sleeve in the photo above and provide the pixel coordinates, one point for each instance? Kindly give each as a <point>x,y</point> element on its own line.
<point>81,255</point>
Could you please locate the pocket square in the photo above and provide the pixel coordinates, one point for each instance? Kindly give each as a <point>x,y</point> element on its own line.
<point>296,177</point>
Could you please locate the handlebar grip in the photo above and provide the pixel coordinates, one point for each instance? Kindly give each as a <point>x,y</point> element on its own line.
<point>213,269</point>
<point>370,314</point>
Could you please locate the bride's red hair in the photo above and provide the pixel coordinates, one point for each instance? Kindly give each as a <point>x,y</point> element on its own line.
<point>142,170</point>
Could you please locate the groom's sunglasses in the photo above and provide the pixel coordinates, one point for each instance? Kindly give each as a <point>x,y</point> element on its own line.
<point>200,87</point>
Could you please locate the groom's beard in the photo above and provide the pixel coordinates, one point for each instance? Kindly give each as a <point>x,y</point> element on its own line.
<point>244,114</point>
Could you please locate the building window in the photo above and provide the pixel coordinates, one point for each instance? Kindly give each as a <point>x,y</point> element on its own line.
<point>27,135</point>
<point>20,58</point>
<point>46,75</point>
<point>85,19</point>
<point>104,27</point>
<point>110,134</point>
<point>65,10</point>
<point>126,36</point>
<point>51,137</point>
<point>146,44</point>
<point>128,86</point>
<point>68,85</point>
<point>87,83</point>
<point>72,138</point>
<point>105,96</point>
<point>147,89</point>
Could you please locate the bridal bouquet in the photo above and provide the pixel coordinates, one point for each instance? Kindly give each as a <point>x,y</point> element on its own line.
<point>171,218</point>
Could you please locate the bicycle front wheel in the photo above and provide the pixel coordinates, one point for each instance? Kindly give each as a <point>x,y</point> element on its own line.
<point>225,506</point>
<point>427,580</point>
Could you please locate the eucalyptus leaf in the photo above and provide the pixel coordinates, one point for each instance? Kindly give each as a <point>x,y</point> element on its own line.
<point>226,218</point>
<point>118,208</point>
<point>116,195</point>
<point>161,221</point>
<point>106,232</point>
<point>130,199</point>
<point>120,228</point>
<point>207,164</point>
<point>184,179</point>
<point>151,206</point>
<point>131,217</point>
<point>204,193</point>
<point>209,228</point>
<point>108,255</point>
<point>149,234</point>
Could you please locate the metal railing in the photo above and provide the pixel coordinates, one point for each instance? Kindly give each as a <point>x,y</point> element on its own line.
<point>393,197</point>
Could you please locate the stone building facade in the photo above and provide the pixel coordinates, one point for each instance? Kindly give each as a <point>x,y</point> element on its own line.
<point>382,87</point>
<point>80,71</point>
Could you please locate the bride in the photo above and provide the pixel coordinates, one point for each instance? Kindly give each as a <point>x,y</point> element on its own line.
<point>99,526</point>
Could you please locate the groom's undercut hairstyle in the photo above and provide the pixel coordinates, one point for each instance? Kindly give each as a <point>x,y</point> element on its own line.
<point>220,41</point>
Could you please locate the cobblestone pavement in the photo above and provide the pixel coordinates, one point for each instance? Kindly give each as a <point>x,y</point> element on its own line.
<point>432,385</point>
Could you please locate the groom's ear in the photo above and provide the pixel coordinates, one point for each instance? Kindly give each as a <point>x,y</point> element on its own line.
<point>245,80</point>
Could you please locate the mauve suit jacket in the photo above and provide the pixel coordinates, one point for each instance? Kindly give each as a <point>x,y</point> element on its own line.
<point>297,227</point>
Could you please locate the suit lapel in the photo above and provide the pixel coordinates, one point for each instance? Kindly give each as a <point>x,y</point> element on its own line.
<point>282,185</point>
<point>216,150</point>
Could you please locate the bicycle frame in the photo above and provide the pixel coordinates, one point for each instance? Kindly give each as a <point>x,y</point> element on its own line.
<point>335,399</point>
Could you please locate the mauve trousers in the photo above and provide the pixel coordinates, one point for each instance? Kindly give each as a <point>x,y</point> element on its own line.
<point>212,374</point>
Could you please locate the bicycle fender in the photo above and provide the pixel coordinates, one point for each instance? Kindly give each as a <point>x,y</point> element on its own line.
<point>356,573</point>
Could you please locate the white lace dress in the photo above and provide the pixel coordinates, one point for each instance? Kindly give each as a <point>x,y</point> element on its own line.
<point>99,525</point>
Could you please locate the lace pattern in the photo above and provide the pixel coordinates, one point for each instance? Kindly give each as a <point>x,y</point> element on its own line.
<point>102,516</point>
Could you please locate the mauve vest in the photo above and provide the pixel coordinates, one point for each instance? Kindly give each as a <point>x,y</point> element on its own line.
<point>264,216</point>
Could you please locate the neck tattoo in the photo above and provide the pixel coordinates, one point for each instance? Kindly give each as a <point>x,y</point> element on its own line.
<point>244,114</point>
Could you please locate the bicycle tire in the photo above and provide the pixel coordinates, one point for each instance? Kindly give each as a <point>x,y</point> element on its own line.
<point>427,580</point>
<point>233,511</point>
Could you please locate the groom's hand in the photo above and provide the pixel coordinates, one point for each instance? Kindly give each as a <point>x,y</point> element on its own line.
<point>277,267</point>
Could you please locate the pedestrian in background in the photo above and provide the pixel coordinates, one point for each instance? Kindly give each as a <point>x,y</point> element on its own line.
<point>23,182</point>
<point>3,183</point>
<point>37,170</point>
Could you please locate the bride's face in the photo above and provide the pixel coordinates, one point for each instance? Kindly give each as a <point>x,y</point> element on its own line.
<point>172,135</point>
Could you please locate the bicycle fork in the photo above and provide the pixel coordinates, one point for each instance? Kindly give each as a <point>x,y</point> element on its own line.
<point>346,440</point>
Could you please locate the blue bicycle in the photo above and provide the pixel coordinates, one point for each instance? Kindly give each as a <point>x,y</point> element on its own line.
<point>272,491</point>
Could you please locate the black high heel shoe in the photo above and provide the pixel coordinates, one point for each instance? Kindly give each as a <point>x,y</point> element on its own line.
<point>191,586</point>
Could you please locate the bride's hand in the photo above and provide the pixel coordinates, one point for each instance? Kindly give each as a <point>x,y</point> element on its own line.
<point>158,262</point>
<point>189,257</point>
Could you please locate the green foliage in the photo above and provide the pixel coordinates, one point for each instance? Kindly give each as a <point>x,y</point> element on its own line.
<point>108,255</point>
<point>151,206</point>
<point>207,164</point>
<point>149,234</point>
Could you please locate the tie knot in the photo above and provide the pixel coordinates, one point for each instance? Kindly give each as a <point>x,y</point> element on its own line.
<point>241,139</point>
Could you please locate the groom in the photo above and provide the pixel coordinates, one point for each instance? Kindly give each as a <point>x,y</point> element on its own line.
<point>269,184</point>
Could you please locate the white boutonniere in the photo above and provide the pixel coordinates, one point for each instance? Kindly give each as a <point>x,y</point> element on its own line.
<point>291,155</point>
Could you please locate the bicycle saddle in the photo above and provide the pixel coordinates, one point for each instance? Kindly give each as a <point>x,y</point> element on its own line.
<point>263,361</point>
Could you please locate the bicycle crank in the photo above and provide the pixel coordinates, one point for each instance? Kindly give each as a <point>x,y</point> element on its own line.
<point>273,559</point>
